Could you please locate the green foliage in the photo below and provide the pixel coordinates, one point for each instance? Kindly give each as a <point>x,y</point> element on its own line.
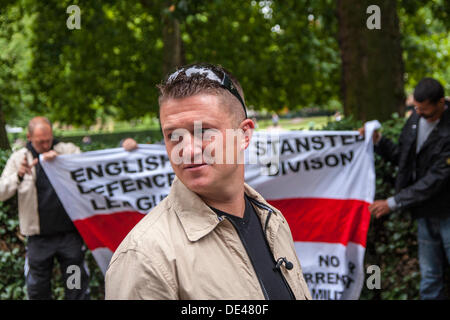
<point>285,53</point>
<point>12,252</point>
<point>346,123</point>
<point>426,41</point>
<point>12,247</point>
<point>111,65</point>
<point>107,68</point>
<point>15,63</point>
<point>112,140</point>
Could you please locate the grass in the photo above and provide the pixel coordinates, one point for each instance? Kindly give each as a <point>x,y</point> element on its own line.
<point>110,126</point>
<point>137,126</point>
<point>309,123</point>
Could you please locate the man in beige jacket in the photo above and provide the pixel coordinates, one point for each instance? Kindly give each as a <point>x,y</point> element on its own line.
<point>42,218</point>
<point>213,236</point>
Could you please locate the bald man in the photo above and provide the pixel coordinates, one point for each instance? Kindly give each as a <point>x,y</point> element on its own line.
<point>42,218</point>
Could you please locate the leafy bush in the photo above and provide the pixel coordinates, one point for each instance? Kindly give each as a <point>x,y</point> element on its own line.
<point>111,140</point>
<point>12,247</point>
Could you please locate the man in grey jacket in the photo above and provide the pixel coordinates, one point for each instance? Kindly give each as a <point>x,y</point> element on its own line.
<point>42,218</point>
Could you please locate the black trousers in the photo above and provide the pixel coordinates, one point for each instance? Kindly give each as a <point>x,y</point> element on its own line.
<point>69,250</point>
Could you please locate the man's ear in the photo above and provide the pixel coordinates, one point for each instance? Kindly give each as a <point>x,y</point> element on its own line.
<point>247,126</point>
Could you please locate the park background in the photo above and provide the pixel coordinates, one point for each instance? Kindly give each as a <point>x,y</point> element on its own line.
<point>305,60</point>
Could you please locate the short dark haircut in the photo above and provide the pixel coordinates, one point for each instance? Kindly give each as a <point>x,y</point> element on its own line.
<point>183,86</point>
<point>429,89</point>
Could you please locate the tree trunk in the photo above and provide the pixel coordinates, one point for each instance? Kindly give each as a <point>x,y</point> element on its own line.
<point>173,44</point>
<point>372,65</point>
<point>4,142</point>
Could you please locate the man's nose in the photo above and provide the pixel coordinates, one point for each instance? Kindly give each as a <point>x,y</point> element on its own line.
<point>193,149</point>
<point>46,146</point>
<point>418,111</point>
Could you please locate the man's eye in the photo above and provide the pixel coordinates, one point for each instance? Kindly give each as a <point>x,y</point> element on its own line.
<point>170,136</point>
<point>210,130</point>
<point>201,131</point>
<point>174,137</point>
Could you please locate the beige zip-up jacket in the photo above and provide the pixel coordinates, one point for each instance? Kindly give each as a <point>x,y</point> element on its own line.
<point>26,190</point>
<point>183,250</point>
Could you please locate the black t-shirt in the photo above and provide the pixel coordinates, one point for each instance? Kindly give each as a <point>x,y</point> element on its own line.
<point>252,236</point>
<point>53,218</point>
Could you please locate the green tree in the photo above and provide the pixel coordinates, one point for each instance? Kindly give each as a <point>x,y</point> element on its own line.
<point>425,41</point>
<point>107,68</point>
<point>15,63</point>
<point>286,54</point>
<point>110,66</point>
<point>372,67</point>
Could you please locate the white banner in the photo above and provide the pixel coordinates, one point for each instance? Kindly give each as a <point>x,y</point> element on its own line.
<point>322,181</point>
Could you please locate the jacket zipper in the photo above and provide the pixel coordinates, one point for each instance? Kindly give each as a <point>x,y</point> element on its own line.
<point>266,223</point>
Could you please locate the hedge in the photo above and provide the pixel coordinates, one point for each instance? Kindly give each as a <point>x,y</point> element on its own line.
<point>111,140</point>
<point>391,240</point>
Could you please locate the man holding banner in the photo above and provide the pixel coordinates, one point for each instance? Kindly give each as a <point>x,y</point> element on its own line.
<point>213,236</point>
<point>42,218</point>
<point>423,181</point>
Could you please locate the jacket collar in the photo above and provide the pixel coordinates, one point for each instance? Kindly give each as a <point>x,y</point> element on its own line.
<point>444,124</point>
<point>198,219</point>
<point>440,131</point>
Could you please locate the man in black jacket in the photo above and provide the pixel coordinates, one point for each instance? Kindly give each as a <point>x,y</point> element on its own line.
<point>423,181</point>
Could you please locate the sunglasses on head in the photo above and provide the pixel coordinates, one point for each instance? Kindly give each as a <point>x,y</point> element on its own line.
<point>225,82</point>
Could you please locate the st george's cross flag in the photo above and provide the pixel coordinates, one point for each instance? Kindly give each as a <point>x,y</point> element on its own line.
<point>322,182</point>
